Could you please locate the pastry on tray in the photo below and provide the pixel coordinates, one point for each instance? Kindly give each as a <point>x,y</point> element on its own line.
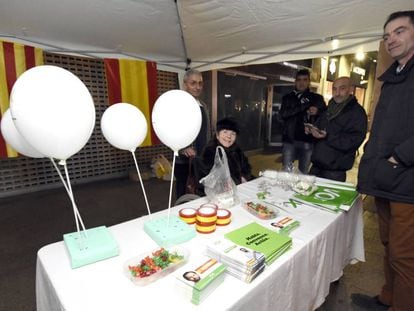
<point>147,268</point>
<point>260,209</point>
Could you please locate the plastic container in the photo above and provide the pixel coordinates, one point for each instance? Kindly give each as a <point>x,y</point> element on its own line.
<point>272,174</point>
<point>223,217</point>
<point>207,213</point>
<point>188,215</point>
<point>136,261</point>
<point>205,227</point>
<point>259,209</point>
<point>306,186</point>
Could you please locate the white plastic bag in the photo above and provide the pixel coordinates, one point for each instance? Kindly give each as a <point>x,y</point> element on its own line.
<point>218,184</point>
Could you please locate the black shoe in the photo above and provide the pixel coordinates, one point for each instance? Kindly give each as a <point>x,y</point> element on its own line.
<point>368,303</point>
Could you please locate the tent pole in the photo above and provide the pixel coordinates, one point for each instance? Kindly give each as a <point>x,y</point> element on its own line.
<point>294,50</point>
<point>40,43</point>
<point>88,53</point>
<point>313,43</point>
<point>220,60</point>
<point>354,44</point>
<point>186,60</point>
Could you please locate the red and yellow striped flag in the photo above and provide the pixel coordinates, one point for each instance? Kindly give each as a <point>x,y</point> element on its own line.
<point>133,82</point>
<point>14,60</point>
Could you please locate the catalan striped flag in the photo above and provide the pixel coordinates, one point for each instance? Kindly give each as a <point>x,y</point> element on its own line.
<point>15,59</point>
<point>133,82</point>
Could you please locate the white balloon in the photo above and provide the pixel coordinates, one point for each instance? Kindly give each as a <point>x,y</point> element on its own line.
<point>124,126</point>
<point>176,119</point>
<point>14,139</point>
<point>53,110</point>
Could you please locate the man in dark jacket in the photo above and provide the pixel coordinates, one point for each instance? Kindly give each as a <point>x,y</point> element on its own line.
<point>193,84</point>
<point>386,170</point>
<point>339,132</point>
<point>299,107</point>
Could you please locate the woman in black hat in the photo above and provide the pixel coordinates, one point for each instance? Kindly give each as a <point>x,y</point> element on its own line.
<point>226,134</point>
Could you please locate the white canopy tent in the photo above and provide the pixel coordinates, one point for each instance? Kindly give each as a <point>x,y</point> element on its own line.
<point>200,34</point>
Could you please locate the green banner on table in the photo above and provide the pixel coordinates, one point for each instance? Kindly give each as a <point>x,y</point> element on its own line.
<point>330,198</point>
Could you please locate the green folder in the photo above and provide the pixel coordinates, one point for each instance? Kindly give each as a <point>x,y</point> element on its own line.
<point>254,236</point>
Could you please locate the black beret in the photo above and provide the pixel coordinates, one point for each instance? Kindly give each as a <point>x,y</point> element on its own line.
<point>227,124</point>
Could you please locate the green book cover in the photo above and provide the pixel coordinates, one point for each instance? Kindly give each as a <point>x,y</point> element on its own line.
<point>261,239</point>
<point>276,255</point>
<point>328,197</point>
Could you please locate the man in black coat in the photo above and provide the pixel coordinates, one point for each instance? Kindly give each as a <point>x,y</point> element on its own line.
<point>299,107</point>
<point>386,170</point>
<point>339,132</point>
<point>193,84</point>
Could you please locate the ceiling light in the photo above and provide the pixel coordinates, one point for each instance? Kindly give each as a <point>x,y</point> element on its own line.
<point>332,66</point>
<point>360,56</point>
<point>291,65</point>
<point>335,44</point>
<point>286,78</point>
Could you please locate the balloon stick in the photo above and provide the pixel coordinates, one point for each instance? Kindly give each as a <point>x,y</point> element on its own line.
<point>171,186</point>
<point>142,184</point>
<point>71,197</point>
<point>75,209</point>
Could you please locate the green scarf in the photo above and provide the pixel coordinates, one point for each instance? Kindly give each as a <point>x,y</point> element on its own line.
<point>334,109</point>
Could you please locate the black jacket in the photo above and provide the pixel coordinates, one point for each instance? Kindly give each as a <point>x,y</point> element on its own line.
<point>345,133</point>
<point>238,163</point>
<point>392,134</point>
<point>203,136</point>
<point>293,113</point>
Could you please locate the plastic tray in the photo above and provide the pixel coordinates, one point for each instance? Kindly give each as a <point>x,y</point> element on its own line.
<point>142,281</point>
<point>259,209</point>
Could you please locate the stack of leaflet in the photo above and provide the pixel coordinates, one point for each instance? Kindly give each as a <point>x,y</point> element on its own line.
<point>284,224</point>
<point>331,197</point>
<point>200,277</point>
<point>242,262</point>
<point>256,237</point>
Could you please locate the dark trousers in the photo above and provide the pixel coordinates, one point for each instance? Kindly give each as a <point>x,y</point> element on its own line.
<point>329,174</point>
<point>302,151</point>
<point>396,226</point>
<point>181,172</point>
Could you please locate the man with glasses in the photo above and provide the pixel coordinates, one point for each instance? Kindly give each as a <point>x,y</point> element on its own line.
<point>386,170</point>
<point>193,84</point>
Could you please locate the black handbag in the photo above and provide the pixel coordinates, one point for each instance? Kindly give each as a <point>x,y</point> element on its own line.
<point>192,183</point>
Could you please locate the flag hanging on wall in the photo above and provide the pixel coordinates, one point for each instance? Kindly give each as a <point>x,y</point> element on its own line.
<point>15,59</point>
<point>133,82</point>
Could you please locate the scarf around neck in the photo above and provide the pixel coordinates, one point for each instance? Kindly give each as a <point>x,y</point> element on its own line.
<point>334,109</point>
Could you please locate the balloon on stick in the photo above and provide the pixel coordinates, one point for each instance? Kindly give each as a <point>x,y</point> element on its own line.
<point>14,139</point>
<point>53,110</point>
<point>124,126</point>
<point>176,119</point>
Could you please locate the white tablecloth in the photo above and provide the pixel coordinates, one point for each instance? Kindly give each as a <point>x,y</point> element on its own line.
<point>299,280</point>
